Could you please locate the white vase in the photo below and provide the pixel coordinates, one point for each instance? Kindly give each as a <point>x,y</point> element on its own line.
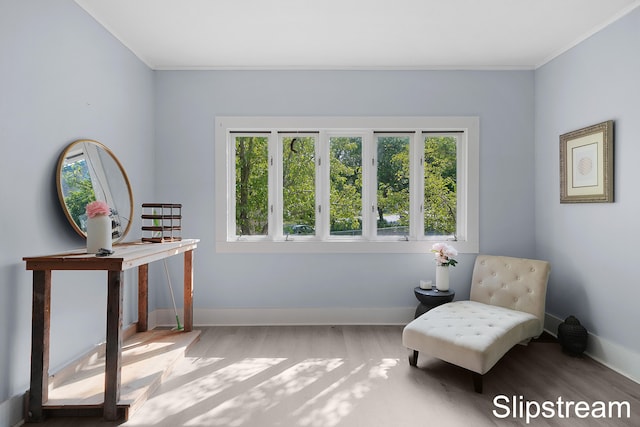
<point>442,277</point>
<point>98,233</point>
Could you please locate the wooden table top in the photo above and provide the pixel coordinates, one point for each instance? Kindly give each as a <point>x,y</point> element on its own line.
<point>126,255</point>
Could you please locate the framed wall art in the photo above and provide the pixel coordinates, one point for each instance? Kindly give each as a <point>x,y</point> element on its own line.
<point>586,165</point>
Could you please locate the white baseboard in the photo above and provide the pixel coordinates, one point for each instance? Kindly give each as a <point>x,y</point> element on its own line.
<point>620,359</point>
<point>12,411</point>
<point>288,316</point>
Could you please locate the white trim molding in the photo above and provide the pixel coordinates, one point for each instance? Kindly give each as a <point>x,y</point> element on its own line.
<point>289,316</point>
<point>12,411</point>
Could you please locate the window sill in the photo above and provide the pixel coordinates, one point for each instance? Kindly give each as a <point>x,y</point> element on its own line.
<point>338,246</point>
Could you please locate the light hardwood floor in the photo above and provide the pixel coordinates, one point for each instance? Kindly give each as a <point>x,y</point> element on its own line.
<point>352,376</point>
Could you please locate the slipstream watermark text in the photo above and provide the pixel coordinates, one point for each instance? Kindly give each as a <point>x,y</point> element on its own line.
<point>519,408</point>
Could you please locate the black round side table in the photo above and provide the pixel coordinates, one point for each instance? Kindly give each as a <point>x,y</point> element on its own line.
<point>431,298</point>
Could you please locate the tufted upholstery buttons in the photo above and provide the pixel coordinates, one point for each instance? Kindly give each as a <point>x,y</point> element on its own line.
<point>504,278</point>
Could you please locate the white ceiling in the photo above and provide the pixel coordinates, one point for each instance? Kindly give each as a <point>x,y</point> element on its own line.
<point>352,34</point>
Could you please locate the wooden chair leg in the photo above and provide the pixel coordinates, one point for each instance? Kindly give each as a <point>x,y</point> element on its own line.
<point>413,359</point>
<point>477,382</point>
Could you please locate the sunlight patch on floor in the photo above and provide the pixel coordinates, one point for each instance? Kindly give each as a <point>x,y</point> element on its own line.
<point>135,349</point>
<point>382,370</point>
<point>240,409</point>
<point>193,364</point>
<point>191,393</point>
<point>341,397</point>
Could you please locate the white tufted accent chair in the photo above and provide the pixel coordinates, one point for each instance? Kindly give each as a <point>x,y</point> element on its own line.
<point>506,307</point>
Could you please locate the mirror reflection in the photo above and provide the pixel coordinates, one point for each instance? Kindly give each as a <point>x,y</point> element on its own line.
<point>88,171</point>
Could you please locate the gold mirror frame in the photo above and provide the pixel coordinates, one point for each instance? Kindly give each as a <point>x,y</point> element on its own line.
<point>87,170</point>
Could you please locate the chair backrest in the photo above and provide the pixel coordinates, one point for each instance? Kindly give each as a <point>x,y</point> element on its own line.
<point>515,283</point>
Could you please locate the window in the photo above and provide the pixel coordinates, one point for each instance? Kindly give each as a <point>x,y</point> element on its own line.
<point>440,201</point>
<point>298,184</point>
<point>345,181</point>
<point>392,189</point>
<point>251,185</point>
<point>346,184</point>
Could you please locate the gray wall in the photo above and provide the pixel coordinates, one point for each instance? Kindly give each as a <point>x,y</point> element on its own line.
<point>590,246</point>
<point>188,102</point>
<point>62,78</point>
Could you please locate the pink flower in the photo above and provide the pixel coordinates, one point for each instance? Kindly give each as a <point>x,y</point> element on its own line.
<point>97,208</point>
<point>444,254</point>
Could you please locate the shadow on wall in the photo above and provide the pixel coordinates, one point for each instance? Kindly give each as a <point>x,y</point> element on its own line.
<point>569,299</point>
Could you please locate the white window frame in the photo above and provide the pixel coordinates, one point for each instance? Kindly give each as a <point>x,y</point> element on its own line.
<point>467,154</point>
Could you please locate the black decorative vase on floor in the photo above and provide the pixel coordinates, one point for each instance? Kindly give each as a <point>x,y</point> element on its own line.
<point>572,336</point>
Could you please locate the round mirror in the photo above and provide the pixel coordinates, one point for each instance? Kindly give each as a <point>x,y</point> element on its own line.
<point>88,171</point>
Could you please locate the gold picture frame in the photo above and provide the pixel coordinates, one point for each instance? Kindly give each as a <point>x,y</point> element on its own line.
<point>586,165</point>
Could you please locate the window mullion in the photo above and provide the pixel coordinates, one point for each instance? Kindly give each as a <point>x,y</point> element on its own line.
<point>369,206</point>
<point>322,186</point>
<point>461,187</point>
<point>231,185</point>
<point>416,186</point>
<point>275,186</point>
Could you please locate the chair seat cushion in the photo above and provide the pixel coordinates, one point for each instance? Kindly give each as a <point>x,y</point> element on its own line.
<point>470,334</point>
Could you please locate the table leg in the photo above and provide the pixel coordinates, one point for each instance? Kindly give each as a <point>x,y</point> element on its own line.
<point>143,298</point>
<point>113,355</point>
<point>40,327</point>
<point>188,291</point>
